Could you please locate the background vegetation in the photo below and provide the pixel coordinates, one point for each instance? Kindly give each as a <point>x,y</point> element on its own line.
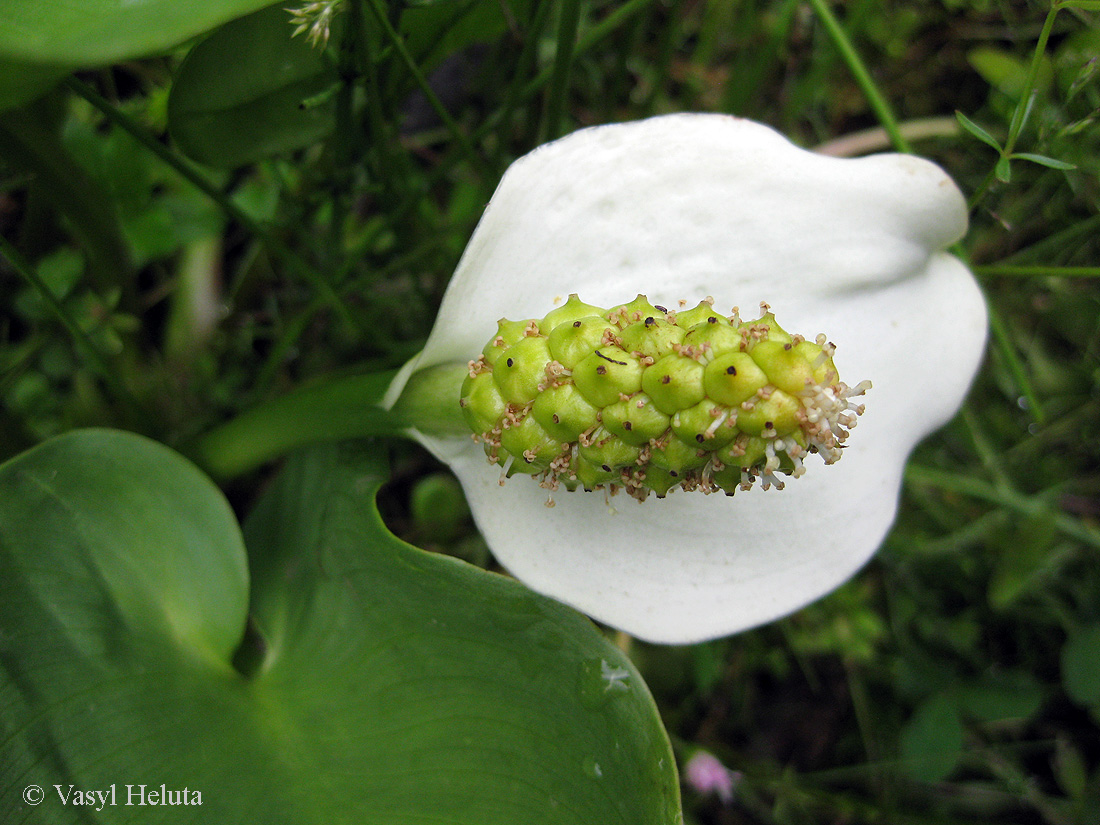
<point>167,269</point>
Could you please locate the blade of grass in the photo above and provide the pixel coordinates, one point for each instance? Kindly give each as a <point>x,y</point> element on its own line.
<point>1017,502</point>
<point>749,70</point>
<point>862,77</point>
<point>1008,270</point>
<point>97,359</point>
<point>459,137</point>
<point>35,147</point>
<point>525,64</point>
<point>569,20</point>
<point>1027,98</point>
<point>1014,364</point>
<point>590,38</point>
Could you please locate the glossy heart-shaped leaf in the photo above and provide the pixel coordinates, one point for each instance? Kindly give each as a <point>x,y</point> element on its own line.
<point>379,684</point>
<point>94,32</point>
<point>251,90</point>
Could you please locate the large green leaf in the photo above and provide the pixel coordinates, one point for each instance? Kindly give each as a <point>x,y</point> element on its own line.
<point>245,92</point>
<point>94,32</point>
<point>388,686</point>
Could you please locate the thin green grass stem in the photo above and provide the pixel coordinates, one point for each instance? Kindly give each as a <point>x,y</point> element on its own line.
<point>524,65</point>
<point>193,176</point>
<point>1015,365</point>
<point>986,451</point>
<point>1055,246</point>
<point>32,145</point>
<point>862,77</point>
<point>590,38</point>
<point>97,359</point>
<point>586,41</point>
<point>1010,271</point>
<point>1023,105</point>
<point>452,127</point>
<point>569,20</point>
<point>1007,498</point>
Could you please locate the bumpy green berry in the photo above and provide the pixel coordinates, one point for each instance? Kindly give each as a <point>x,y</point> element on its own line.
<point>606,374</point>
<point>708,424</point>
<point>572,342</point>
<point>677,456</point>
<point>651,401</point>
<point>508,332</point>
<point>713,335</point>
<point>733,378</point>
<point>652,337</point>
<point>637,310</point>
<point>521,369</point>
<point>482,404</point>
<point>636,420</point>
<point>564,413</point>
<point>702,313</point>
<point>674,383</point>
<point>530,444</point>
<point>572,310</point>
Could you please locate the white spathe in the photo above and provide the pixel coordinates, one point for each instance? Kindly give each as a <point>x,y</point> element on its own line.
<point>683,207</point>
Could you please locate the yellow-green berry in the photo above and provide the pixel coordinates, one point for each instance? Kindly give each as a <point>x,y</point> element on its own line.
<point>564,413</point>
<point>521,370</point>
<point>572,310</point>
<point>636,420</point>
<point>508,332</point>
<point>572,342</point>
<point>674,383</point>
<point>606,374</point>
<point>653,337</point>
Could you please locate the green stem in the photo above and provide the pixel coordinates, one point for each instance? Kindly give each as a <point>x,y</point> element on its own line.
<point>563,62</point>
<point>590,38</point>
<point>331,410</point>
<point>99,362</point>
<point>862,77</point>
<point>494,120</point>
<point>192,175</point>
<point>1038,271</point>
<point>1022,504</point>
<point>981,190</point>
<point>525,64</point>
<point>429,401</point>
<point>422,82</point>
<point>33,145</point>
<point>1004,345</point>
<point>1023,106</point>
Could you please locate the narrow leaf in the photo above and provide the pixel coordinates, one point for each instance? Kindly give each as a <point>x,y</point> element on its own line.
<point>1043,160</point>
<point>977,131</point>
